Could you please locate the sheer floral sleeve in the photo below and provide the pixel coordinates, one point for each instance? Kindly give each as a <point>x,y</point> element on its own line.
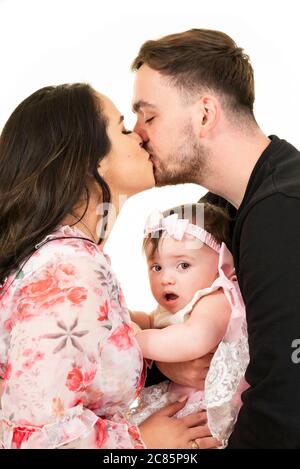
<point>71,365</point>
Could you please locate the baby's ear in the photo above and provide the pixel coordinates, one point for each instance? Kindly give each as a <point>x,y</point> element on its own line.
<point>229,271</point>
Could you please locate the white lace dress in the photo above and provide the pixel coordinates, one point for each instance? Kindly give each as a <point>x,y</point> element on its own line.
<point>225,379</point>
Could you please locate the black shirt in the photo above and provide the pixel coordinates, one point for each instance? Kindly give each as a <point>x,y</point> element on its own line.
<point>266,251</point>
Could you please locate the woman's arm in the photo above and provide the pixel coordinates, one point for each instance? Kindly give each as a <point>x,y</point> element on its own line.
<point>201,333</point>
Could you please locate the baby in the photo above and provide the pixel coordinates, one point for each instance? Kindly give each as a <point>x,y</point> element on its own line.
<point>200,308</point>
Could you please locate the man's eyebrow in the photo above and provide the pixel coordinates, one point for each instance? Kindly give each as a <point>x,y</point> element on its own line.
<point>136,107</point>
<point>121,120</point>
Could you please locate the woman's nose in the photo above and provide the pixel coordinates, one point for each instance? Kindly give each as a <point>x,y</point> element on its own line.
<point>138,138</point>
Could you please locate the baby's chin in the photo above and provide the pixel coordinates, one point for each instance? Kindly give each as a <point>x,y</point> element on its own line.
<point>178,306</point>
<point>172,309</point>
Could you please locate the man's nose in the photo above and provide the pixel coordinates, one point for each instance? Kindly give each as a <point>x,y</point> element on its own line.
<point>139,129</point>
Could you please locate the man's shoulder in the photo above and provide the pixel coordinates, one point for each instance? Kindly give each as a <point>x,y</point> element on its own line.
<point>267,221</point>
<point>269,210</point>
<point>277,178</point>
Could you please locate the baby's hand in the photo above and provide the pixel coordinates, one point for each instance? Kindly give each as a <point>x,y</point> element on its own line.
<point>135,327</point>
<point>141,320</point>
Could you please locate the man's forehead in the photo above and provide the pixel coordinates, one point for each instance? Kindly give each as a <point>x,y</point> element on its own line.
<point>149,89</point>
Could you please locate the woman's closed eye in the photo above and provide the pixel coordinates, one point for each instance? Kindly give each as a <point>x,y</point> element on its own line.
<point>126,132</point>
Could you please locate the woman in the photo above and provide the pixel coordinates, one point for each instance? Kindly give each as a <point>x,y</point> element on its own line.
<point>68,357</point>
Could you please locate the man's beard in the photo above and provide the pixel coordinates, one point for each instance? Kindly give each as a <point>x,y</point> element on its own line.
<point>187,163</point>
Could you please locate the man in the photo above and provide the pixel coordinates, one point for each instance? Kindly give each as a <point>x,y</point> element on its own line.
<point>193,96</point>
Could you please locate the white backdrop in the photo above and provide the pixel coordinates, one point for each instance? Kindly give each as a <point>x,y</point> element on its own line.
<point>45,42</point>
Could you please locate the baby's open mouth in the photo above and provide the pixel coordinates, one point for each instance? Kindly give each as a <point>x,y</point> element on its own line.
<point>171,296</point>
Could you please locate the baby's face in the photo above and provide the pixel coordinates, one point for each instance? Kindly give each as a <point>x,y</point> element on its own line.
<point>178,269</point>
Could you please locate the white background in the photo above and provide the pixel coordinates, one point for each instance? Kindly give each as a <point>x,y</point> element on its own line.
<point>57,41</point>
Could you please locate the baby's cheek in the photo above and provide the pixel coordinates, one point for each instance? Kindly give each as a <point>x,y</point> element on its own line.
<point>192,285</point>
<point>154,287</point>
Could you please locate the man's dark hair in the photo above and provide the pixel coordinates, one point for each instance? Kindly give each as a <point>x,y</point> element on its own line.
<point>203,59</point>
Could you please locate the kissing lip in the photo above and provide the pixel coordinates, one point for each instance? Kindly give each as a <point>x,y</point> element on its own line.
<point>152,160</point>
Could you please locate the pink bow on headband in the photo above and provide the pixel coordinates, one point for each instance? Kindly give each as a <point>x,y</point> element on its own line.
<point>177,228</point>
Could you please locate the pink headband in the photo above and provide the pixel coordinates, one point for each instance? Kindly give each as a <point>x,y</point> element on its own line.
<point>178,227</point>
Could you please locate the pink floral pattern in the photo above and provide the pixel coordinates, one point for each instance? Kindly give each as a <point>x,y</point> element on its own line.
<point>68,356</point>
<point>122,338</point>
<point>103,311</point>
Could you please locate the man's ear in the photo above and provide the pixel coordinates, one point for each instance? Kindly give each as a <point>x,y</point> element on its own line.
<point>206,114</point>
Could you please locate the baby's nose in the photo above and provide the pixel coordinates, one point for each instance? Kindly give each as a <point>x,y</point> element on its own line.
<point>168,279</point>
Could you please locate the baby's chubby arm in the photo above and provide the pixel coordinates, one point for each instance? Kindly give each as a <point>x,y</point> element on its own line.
<point>201,333</point>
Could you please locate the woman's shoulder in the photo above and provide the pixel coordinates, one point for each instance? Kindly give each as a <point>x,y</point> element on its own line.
<point>66,244</point>
<point>66,235</point>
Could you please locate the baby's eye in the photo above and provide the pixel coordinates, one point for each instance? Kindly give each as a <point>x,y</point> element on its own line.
<point>155,268</point>
<point>184,265</point>
<point>126,132</point>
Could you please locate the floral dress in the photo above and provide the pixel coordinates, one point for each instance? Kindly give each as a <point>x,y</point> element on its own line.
<point>68,357</point>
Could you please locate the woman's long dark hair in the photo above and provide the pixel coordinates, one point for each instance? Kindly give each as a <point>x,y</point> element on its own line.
<point>50,149</point>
